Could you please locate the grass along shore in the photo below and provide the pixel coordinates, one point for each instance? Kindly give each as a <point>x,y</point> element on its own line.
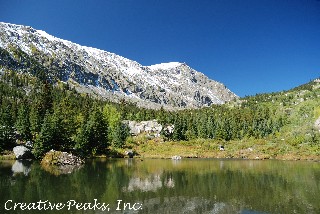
<point>204,148</point>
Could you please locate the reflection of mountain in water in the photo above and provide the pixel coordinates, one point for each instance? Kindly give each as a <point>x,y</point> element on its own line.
<point>164,186</point>
<point>151,183</point>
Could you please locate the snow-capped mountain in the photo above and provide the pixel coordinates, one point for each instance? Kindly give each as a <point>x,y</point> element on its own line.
<point>108,75</point>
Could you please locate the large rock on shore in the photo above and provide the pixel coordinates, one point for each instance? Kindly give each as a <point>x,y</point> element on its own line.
<point>57,162</point>
<point>22,152</point>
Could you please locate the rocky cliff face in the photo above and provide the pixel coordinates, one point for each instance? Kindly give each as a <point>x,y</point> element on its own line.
<point>106,74</point>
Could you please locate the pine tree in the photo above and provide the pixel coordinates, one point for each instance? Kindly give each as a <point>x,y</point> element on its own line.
<point>93,136</point>
<point>83,146</point>
<point>61,137</point>
<point>53,135</point>
<point>35,120</point>
<point>6,129</point>
<point>119,134</point>
<point>45,138</point>
<point>22,123</point>
<point>179,129</point>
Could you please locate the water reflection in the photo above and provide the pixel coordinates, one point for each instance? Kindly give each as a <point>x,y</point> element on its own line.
<point>21,166</point>
<point>60,169</point>
<point>166,186</point>
<point>151,183</point>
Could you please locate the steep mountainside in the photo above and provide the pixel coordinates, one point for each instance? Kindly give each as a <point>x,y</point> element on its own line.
<point>106,74</point>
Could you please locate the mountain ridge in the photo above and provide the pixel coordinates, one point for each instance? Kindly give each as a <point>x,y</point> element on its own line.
<point>113,77</point>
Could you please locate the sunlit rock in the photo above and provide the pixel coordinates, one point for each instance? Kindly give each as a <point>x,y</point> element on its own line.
<point>22,152</point>
<point>176,157</point>
<point>57,162</point>
<point>151,127</point>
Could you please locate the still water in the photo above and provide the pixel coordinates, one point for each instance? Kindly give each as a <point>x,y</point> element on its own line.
<point>162,186</point>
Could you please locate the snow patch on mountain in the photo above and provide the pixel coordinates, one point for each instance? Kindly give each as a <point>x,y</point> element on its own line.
<point>113,77</point>
<point>165,66</point>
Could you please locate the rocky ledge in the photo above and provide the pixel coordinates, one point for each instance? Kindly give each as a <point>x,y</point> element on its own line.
<point>57,162</point>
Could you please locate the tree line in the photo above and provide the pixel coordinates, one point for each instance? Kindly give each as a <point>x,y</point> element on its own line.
<point>55,116</point>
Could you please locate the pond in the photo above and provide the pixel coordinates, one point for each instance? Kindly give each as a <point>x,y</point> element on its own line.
<point>163,186</point>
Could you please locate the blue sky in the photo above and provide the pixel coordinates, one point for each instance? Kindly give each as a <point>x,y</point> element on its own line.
<point>252,46</point>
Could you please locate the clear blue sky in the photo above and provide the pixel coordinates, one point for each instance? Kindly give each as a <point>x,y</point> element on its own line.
<point>252,46</point>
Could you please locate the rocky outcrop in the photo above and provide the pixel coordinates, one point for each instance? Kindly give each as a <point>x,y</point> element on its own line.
<point>57,162</point>
<point>61,158</point>
<point>107,75</point>
<point>151,127</point>
<point>22,152</point>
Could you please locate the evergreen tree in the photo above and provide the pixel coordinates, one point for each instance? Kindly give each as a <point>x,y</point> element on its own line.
<point>117,131</point>
<point>61,136</point>
<point>43,142</point>
<point>93,137</point>
<point>35,120</point>
<point>201,126</point>
<point>52,136</point>
<point>210,127</point>
<point>179,129</point>
<point>119,134</point>
<point>22,123</point>
<point>6,129</point>
<point>191,132</point>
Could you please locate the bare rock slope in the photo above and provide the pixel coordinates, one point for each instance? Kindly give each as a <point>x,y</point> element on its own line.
<point>107,75</point>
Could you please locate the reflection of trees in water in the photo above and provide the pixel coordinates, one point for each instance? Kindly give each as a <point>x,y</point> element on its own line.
<point>61,169</point>
<point>188,205</point>
<point>199,186</point>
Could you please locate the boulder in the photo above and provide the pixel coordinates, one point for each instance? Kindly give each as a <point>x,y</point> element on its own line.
<point>57,162</point>
<point>61,158</point>
<point>176,157</point>
<point>130,153</point>
<point>22,152</point>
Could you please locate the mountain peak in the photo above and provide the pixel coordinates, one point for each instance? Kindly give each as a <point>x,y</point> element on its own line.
<point>107,75</point>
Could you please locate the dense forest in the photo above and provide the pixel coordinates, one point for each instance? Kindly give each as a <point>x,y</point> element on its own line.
<point>49,113</point>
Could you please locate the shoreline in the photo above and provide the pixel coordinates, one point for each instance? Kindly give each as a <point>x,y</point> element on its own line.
<point>251,149</point>
<point>292,158</point>
<point>280,158</point>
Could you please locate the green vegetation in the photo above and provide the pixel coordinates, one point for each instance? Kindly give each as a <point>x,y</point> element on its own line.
<point>206,148</point>
<point>55,116</point>
<point>277,125</point>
